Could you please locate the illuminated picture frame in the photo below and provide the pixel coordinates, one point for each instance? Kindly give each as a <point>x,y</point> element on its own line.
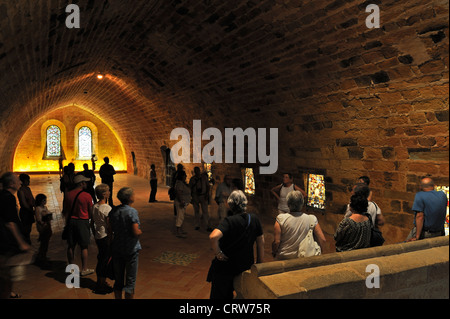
<point>316,191</point>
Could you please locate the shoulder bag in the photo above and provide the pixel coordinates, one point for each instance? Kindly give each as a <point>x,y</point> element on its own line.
<point>65,233</point>
<point>308,246</point>
<point>376,237</point>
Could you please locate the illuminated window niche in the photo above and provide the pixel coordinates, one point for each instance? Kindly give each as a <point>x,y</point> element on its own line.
<point>208,170</point>
<point>249,181</point>
<point>53,141</point>
<point>86,140</point>
<point>445,189</point>
<point>315,191</point>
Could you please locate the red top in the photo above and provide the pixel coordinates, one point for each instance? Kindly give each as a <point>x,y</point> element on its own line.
<point>82,206</point>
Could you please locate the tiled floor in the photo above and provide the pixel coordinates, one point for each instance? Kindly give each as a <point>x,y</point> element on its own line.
<point>156,279</point>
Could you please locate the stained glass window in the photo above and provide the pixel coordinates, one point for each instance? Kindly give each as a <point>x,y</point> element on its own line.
<point>316,191</point>
<point>85,142</point>
<point>249,181</point>
<point>445,189</point>
<point>208,171</point>
<point>53,141</point>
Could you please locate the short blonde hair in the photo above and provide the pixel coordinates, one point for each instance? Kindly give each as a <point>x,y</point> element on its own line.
<point>100,191</point>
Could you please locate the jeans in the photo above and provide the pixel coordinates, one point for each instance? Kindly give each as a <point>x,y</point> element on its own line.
<point>125,271</point>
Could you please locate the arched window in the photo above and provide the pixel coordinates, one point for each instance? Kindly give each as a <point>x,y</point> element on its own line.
<point>53,141</point>
<point>84,142</point>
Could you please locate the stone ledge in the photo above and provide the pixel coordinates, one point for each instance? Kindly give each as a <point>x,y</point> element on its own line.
<point>275,267</point>
<point>407,270</point>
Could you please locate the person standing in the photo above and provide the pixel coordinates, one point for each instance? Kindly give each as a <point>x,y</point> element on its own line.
<point>101,229</point>
<point>280,192</point>
<point>173,181</point>
<point>291,228</point>
<point>90,185</point>
<point>26,201</point>
<point>93,160</point>
<point>200,191</point>
<point>107,173</point>
<point>153,184</point>
<point>354,232</point>
<point>11,238</point>
<point>125,226</point>
<point>372,209</point>
<point>182,200</point>
<point>222,192</point>
<point>44,227</point>
<point>61,165</point>
<point>233,244</point>
<point>429,208</point>
<point>78,207</point>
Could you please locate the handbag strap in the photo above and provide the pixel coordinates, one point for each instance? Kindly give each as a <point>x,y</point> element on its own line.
<point>73,204</point>
<point>311,223</point>
<point>370,219</point>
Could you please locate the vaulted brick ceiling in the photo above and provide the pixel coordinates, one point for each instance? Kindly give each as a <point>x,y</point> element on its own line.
<point>310,68</point>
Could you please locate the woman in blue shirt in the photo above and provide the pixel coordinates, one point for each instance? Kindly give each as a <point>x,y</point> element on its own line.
<point>124,221</point>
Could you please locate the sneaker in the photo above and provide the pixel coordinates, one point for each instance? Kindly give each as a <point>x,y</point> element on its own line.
<point>87,272</point>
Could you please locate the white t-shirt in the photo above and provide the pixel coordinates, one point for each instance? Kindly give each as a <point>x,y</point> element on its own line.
<point>282,203</point>
<point>294,228</point>
<point>372,209</point>
<point>40,213</point>
<point>99,214</point>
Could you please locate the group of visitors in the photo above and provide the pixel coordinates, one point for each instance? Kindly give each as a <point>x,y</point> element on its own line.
<point>116,229</point>
<point>198,193</point>
<point>361,219</point>
<point>297,234</point>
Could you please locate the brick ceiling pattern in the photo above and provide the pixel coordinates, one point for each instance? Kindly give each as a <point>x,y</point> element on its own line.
<point>310,68</point>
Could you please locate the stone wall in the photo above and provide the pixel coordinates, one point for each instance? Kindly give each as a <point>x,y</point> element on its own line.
<point>418,270</point>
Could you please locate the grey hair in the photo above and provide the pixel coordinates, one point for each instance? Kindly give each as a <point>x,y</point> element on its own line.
<point>125,194</point>
<point>7,179</point>
<point>237,201</point>
<point>295,201</point>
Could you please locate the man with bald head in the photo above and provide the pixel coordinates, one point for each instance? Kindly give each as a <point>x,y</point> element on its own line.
<point>429,208</point>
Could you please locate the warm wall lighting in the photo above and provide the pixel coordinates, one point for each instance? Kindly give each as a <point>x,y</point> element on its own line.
<point>99,76</point>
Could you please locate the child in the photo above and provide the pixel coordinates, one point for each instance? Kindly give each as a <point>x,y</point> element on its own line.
<point>101,231</point>
<point>44,227</point>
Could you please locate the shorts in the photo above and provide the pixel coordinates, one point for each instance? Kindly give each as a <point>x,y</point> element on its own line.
<point>79,232</point>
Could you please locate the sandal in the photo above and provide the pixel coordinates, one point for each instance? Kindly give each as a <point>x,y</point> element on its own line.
<point>14,295</point>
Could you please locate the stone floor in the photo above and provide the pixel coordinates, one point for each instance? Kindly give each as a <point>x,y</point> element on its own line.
<point>169,267</point>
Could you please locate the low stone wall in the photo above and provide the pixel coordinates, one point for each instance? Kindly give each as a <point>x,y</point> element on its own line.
<point>408,270</point>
